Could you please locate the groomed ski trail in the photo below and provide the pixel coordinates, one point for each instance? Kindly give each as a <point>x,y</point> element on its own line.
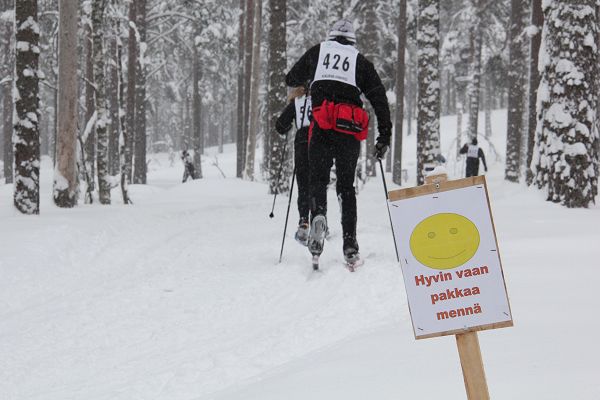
<point>180,295</point>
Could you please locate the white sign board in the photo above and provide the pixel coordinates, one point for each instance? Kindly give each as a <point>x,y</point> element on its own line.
<point>449,256</point>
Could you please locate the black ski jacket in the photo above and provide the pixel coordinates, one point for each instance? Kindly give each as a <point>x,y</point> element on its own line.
<point>286,120</point>
<point>367,80</point>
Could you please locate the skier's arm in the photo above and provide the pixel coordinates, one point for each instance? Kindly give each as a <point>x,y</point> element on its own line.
<point>372,87</point>
<point>482,156</point>
<point>304,70</point>
<point>284,122</point>
<point>463,149</point>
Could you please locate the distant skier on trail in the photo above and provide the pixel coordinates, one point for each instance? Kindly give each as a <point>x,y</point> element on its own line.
<point>339,75</point>
<point>474,153</point>
<point>299,110</point>
<point>188,164</point>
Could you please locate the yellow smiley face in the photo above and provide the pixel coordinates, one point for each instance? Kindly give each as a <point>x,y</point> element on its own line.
<point>444,241</point>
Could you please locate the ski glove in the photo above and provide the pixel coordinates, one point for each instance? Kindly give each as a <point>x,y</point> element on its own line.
<point>380,150</point>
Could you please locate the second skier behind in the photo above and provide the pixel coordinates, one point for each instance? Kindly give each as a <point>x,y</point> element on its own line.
<point>474,153</point>
<point>339,74</point>
<point>299,110</point>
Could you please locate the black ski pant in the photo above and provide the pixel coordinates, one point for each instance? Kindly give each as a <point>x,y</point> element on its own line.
<point>472,166</point>
<point>324,148</point>
<point>302,178</point>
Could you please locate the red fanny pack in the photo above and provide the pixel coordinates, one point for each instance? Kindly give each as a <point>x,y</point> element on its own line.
<point>345,118</point>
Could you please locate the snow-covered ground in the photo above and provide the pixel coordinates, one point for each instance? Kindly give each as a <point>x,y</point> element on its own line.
<point>180,297</point>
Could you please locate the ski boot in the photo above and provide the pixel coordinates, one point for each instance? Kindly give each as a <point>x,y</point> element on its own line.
<point>351,254</point>
<point>316,238</point>
<point>301,235</point>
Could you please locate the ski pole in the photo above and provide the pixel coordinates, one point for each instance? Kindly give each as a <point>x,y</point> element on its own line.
<point>287,215</point>
<point>388,208</point>
<point>271,215</point>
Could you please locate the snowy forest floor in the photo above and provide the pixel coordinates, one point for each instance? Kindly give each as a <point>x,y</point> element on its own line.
<point>180,297</point>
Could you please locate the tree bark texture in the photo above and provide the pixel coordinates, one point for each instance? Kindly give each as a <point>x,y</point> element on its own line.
<point>400,70</point>
<point>196,115</point>
<point>475,73</point>
<point>428,119</point>
<point>537,20</point>
<point>139,175</point>
<point>241,117</point>
<point>279,173</point>
<point>132,58</point>
<point>254,86</point>
<point>516,91</point>
<point>565,160</point>
<point>371,49</point>
<point>65,174</point>
<point>26,135</point>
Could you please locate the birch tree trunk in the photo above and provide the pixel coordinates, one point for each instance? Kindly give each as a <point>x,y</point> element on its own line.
<point>125,150</point>
<point>428,119</point>
<point>27,140</point>
<point>254,86</point>
<point>400,69</point>
<point>65,173</point>
<point>278,173</point>
<point>565,161</point>
<point>537,20</point>
<point>516,92</point>
<point>139,175</point>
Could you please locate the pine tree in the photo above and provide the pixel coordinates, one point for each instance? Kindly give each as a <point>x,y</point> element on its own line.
<point>197,108</point>
<point>139,173</point>
<point>98,8</point>
<point>27,138</point>
<point>65,174</point>
<point>254,86</point>
<point>241,117</point>
<point>537,20</point>
<point>516,92</point>
<point>7,98</point>
<point>278,173</point>
<point>369,44</point>
<point>428,120</point>
<point>400,72</point>
<point>132,60</point>
<point>476,40</point>
<point>565,159</point>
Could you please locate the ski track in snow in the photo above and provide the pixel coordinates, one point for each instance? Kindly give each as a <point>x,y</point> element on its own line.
<point>180,297</point>
<point>179,294</point>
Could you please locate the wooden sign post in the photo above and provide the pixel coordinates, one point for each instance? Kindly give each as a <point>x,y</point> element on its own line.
<point>451,266</point>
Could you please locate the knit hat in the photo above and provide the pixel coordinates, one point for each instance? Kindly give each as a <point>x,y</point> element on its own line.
<point>344,29</point>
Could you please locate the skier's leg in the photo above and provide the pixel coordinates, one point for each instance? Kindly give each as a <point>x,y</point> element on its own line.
<point>301,162</point>
<point>320,161</point>
<point>347,152</point>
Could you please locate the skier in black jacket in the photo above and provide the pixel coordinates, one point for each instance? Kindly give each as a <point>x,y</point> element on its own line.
<point>474,153</point>
<point>339,75</point>
<point>299,111</point>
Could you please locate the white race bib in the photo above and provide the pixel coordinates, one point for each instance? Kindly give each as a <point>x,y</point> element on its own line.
<point>303,116</point>
<point>473,151</point>
<point>337,62</point>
